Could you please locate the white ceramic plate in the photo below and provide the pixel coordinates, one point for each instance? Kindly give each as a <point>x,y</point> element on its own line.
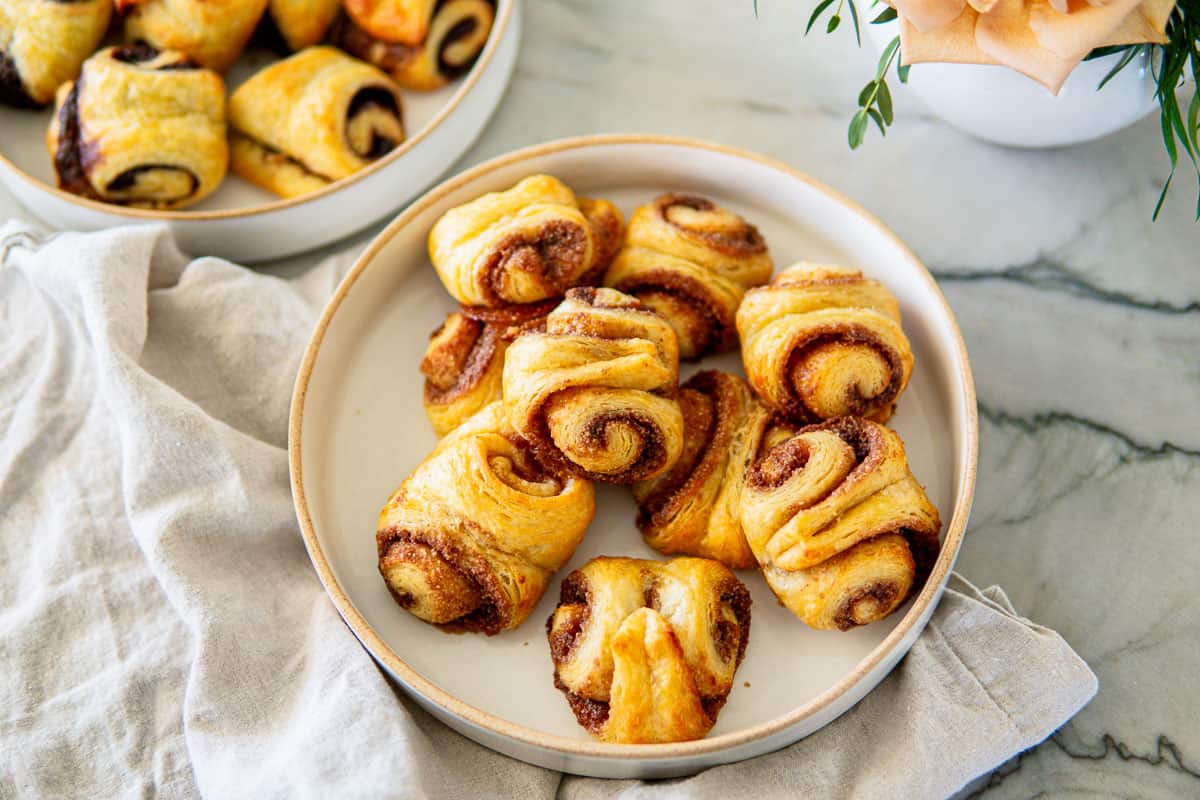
<point>245,223</point>
<point>358,428</point>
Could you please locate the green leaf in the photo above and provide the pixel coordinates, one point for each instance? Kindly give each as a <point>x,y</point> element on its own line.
<point>885,58</point>
<point>878,120</point>
<point>834,21</point>
<point>858,129</point>
<point>756,9</point>
<point>864,97</point>
<point>1130,54</point>
<point>888,15</point>
<point>1162,196</point>
<point>824,4</point>
<point>1101,52</point>
<point>854,19</point>
<point>902,71</point>
<point>885,101</point>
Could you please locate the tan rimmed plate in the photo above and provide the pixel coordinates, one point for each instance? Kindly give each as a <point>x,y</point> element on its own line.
<point>245,223</point>
<point>357,429</point>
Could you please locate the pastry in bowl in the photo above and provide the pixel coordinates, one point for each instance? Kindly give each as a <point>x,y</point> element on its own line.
<point>691,261</point>
<point>311,119</point>
<point>842,530</point>
<point>212,33</point>
<point>141,127</point>
<point>470,539</point>
<point>302,23</point>
<point>43,43</point>
<point>646,651</point>
<point>824,342</point>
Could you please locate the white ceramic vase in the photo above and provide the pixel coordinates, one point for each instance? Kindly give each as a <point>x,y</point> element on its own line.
<point>1000,105</point>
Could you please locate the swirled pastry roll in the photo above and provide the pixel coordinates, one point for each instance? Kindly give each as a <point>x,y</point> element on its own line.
<point>823,342</point>
<point>692,508</point>
<point>527,244</point>
<point>140,128</point>
<point>43,43</point>
<point>302,23</point>
<point>595,392</point>
<point>841,528</point>
<point>470,538</point>
<point>420,48</point>
<point>691,261</point>
<point>465,360</point>
<point>212,33</point>
<point>646,651</point>
<point>311,119</point>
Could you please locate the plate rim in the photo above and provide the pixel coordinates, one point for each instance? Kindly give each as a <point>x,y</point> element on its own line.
<point>415,682</point>
<point>500,25</point>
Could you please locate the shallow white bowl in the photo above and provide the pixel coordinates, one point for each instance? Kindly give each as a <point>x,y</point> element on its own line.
<point>357,428</point>
<point>242,222</point>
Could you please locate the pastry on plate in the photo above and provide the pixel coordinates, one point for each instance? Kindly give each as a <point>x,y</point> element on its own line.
<point>470,539</point>
<point>523,245</point>
<point>595,392</point>
<point>824,342</point>
<point>646,651</point>
<point>302,23</point>
<point>691,261</point>
<point>421,44</point>
<point>465,360</point>
<point>692,508</point>
<point>140,127</point>
<point>841,528</point>
<point>212,33</point>
<point>43,43</point>
<point>311,119</point>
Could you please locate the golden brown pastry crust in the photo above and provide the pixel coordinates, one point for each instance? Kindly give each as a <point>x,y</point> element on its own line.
<point>693,507</point>
<point>302,23</point>
<point>167,150</point>
<point>823,342</point>
<point>470,539</point>
<point>464,362</point>
<point>691,261</point>
<point>403,21</point>
<point>646,651</point>
<point>43,44</point>
<point>313,118</point>
<point>595,392</point>
<point>449,41</point>
<point>523,245</point>
<point>841,528</point>
<point>212,33</point>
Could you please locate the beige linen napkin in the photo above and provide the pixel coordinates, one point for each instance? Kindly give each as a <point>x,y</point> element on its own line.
<point>162,633</point>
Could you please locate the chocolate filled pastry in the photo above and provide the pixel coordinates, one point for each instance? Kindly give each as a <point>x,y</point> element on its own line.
<point>470,539</point>
<point>465,360</point>
<point>595,392</point>
<point>646,651</point>
<point>824,342</point>
<point>140,127</point>
<point>841,528</point>
<point>43,43</point>
<point>302,23</point>
<point>423,45</point>
<point>691,261</point>
<point>527,244</point>
<point>693,507</point>
<point>212,33</point>
<point>311,119</point>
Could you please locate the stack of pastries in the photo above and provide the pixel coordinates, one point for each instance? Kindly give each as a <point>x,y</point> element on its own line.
<point>147,122</point>
<point>560,368</point>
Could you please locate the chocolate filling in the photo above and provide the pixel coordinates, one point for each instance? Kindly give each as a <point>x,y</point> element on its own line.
<point>374,96</point>
<point>69,156</point>
<point>140,52</point>
<point>459,30</point>
<point>129,178</point>
<point>12,88</point>
<point>388,56</point>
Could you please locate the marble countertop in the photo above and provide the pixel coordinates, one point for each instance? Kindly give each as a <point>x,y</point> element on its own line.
<point>1082,318</point>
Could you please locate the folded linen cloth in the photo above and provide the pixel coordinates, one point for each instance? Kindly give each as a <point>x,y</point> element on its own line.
<point>162,633</point>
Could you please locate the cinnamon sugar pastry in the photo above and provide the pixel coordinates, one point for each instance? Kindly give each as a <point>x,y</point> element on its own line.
<point>595,392</point>
<point>692,508</point>
<point>841,528</point>
<point>646,651</point>
<point>823,342</point>
<point>302,23</point>
<point>420,47</point>
<point>691,261</point>
<point>43,43</point>
<point>311,119</point>
<point>470,539</point>
<point>465,360</point>
<point>212,33</point>
<point>140,128</point>
<point>527,244</point>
